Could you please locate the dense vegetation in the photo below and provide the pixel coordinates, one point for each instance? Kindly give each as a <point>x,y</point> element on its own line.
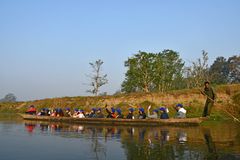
<point>163,71</point>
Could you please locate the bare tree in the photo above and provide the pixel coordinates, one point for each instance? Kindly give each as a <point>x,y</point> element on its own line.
<point>97,79</point>
<point>198,72</point>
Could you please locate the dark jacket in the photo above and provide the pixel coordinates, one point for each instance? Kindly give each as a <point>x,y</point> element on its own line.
<point>210,93</point>
<point>142,116</point>
<point>130,116</point>
<point>164,115</point>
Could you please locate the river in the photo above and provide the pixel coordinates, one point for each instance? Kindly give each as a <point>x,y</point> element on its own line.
<point>31,140</point>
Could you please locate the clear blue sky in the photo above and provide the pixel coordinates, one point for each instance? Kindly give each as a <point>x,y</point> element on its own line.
<point>46,45</point>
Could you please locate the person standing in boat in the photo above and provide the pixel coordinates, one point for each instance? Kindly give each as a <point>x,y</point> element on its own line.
<point>142,114</point>
<point>211,96</point>
<point>181,112</point>
<point>130,113</point>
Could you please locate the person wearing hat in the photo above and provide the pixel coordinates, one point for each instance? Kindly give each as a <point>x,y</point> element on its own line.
<point>60,112</point>
<point>181,112</point>
<point>92,113</point>
<point>112,114</point>
<point>42,112</point>
<point>119,113</point>
<point>130,113</point>
<point>47,112</point>
<point>154,115</point>
<point>75,113</point>
<point>99,113</point>
<point>142,114</point>
<point>81,113</point>
<point>211,97</point>
<point>163,113</point>
<point>68,112</point>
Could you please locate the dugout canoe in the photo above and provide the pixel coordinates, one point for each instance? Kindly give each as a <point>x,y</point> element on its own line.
<point>120,122</point>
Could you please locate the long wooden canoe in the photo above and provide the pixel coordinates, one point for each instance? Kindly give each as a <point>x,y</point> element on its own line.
<point>110,121</point>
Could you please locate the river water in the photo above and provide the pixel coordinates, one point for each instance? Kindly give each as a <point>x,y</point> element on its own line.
<point>31,140</point>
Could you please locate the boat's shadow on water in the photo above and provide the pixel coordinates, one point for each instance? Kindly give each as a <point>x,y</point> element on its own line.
<point>218,142</point>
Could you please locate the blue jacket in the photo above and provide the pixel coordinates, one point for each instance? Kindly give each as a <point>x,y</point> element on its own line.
<point>164,115</point>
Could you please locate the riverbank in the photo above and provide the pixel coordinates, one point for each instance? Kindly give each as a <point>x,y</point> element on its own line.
<point>190,98</point>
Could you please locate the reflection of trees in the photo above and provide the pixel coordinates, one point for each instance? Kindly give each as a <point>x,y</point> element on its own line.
<point>98,148</point>
<point>144,143</point>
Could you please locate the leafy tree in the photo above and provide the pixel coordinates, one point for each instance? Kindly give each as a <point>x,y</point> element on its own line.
<point>152,71</point>
<point>219,71</point>
<point>97,79</point>
<point>10,97</point>
<point>234,69</point>
<point>167,70</point>
<point>139,75</point>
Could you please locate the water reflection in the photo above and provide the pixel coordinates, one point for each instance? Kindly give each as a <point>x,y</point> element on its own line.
<point>148,143</point>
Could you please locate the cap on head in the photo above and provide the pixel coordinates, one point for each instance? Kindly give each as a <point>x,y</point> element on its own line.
<point>141,109</point>
<point>119,111</point>
<point>179,105</point>
<point>67,109</point>
<point>155,110</point>
<point>131,109</point>
<point>76,109</point>
<point>162,109</point>
<point>113,110</point>
<point>94,109</point>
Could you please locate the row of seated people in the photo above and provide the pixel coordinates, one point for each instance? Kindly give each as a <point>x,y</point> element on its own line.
<point>161,113</point>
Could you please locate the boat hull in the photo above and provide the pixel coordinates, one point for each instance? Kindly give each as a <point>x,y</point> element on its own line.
<point>122,122</point>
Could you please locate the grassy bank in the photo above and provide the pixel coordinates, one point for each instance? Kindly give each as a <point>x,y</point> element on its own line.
<point>192,99</point>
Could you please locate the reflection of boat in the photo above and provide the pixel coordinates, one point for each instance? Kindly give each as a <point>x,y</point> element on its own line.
<point>108,121</point>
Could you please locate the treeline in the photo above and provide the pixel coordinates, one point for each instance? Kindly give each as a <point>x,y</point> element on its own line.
<point>10,97</point>
<point>163,71</point>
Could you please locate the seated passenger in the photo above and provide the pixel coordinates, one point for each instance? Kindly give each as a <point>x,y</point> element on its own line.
<point>92,113</point>
<point>112,114</point>
<point>154,115</point>
<point>53,113</point>
<point>75,114</point>
<point>119,113</point>
<point>99,113</point>
<point>130,113</point>
<point>81,114</point>
<point>42,112</point>
<point>163,113</point>
<point>47,112</point>
<point>59,112</point>
<point>181,112</point>
<point>32,110</point>
<point>68,112</point>
<point>142,114</point>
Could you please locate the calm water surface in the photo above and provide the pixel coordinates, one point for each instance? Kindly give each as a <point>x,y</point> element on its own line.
<point>30,140</point>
